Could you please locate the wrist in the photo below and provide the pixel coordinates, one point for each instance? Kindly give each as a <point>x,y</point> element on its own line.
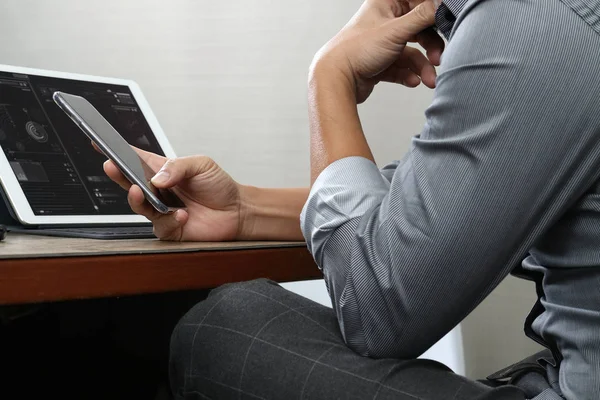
<point>331,70</point>
<point>270,214</point>
<point>335,127</point>
<point>247,214</point>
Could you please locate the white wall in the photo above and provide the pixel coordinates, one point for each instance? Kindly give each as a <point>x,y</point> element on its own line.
<point>493,334</point>
<point>225,78</point>
<point>228,79</point>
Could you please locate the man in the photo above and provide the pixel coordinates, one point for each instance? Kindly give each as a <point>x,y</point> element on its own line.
<point>503,178</point>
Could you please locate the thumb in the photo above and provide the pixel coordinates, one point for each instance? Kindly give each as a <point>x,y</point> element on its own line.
<point>177,170</point>
<point>404,28</point>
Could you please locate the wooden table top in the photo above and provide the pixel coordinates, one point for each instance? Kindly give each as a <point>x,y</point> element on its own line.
<point>18,245</point>
<point>42,268</point>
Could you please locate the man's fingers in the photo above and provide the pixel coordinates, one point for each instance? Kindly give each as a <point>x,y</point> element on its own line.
<point>433,45</point>
<point>166,226</point>
<point>169,226</point>
<point>385,8</point>
<point>410,70</point>
<point>178,169</point>
<point>402,29</point>
<point>115,174</point>
<point>407,78</point>
<point>416,61</point>
<point>139,205</point>
<point>154,161</point>
<point>402,76</point>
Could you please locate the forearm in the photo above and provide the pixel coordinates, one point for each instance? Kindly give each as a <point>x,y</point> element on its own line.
<point>271,214</point>
<point>336,133</point>
<point>335,128</point>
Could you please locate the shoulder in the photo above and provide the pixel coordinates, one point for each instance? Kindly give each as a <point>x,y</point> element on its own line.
<point>517,32</point>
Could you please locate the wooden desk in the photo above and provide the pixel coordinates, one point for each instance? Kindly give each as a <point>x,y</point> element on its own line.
<point>43,268</point>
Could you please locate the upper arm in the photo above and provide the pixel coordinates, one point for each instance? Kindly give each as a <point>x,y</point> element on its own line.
<point>508,144</point>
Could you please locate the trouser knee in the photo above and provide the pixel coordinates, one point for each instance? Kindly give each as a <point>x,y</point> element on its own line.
<point>197,339</point>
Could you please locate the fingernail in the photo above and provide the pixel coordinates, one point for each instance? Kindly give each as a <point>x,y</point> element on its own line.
<point>161,177</point>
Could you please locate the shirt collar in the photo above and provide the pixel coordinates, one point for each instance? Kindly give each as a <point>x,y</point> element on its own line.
<point>446,15</point>
<point>455,6</point>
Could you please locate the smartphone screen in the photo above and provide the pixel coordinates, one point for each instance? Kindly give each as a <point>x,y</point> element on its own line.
<point>117,149</point>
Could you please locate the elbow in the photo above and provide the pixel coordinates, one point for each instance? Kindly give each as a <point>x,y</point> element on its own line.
<point>387,339</point>
<point>400,350</point>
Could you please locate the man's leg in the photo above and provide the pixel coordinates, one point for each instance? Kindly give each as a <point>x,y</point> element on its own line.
<point>256,340</point>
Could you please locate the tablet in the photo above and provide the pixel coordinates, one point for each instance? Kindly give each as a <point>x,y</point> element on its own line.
<point>49,172</point>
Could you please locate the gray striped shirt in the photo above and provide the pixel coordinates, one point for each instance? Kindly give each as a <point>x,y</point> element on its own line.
<point>503,177</point>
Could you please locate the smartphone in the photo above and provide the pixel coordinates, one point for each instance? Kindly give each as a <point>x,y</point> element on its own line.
<point>115,147</point>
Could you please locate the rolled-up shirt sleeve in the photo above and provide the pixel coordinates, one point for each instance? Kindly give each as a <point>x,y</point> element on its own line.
<point>345,190</point>
<point>408,251</point>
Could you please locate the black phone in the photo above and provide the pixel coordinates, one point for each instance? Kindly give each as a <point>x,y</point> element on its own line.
<point>115,147</point>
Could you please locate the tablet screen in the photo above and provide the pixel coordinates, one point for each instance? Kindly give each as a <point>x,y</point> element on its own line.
<point>53,161</point>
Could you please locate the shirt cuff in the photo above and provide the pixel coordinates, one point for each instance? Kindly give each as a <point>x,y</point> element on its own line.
<point>346,189</point>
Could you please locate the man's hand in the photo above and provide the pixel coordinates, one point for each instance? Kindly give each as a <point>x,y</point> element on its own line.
<point>372,46</point>
<point>217,207</point>
<point>369,49</point>
<point>211,196</point>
